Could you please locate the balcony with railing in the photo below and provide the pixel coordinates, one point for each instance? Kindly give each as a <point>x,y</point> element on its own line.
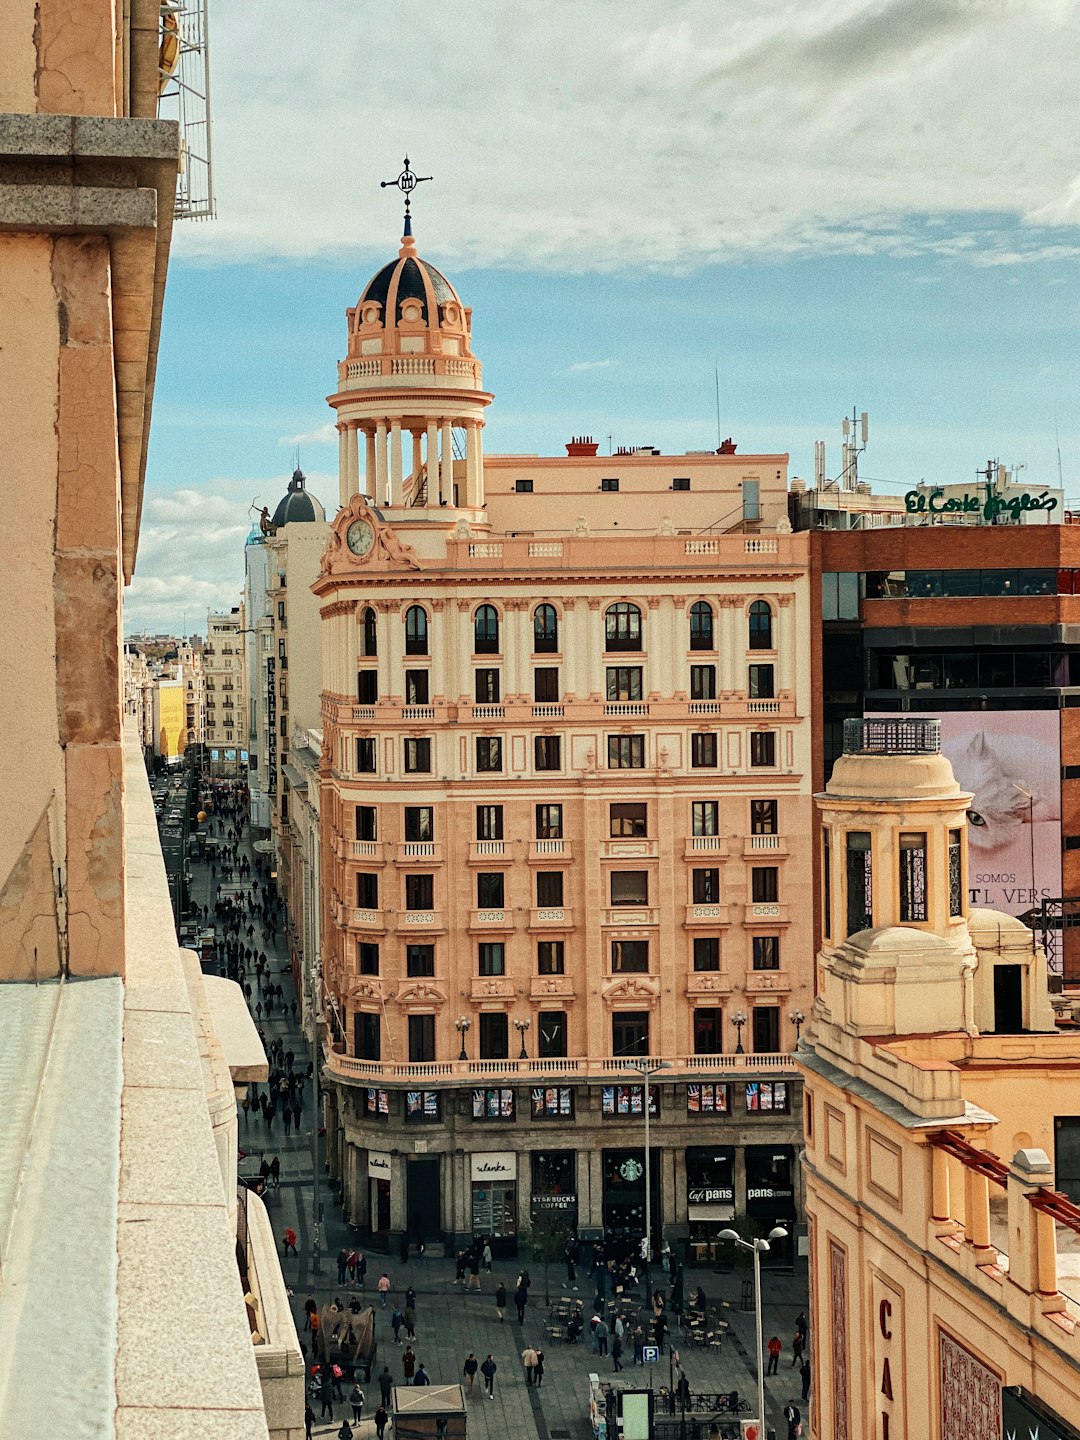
<point>347,1067</point>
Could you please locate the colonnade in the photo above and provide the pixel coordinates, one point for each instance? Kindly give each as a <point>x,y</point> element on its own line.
<point>384,476</point>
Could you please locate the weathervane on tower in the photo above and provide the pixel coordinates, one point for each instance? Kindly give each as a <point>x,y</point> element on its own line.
<point>406,182</point>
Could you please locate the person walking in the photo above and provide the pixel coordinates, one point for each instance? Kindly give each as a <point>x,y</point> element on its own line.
<point>381,1417</point>
<point>616,1352</point>
<point>421,1377</point>
<point>528,1360</point>
<point>521,1299</point>
<point>487,1256</point>
<point>798,1344</point>
<point>793,1416</point>
<point>408,1364</point>
<point>539,1366</point>
<point>410,1298</point>
<point>639,1344</point>
<point>386,1383</point>
<point>500,1301</point>
<point>356,1400</point>
<point>361,1268</point>
<point>659,1326</point>
<point>469,1369</point>
<point>802,1325</point>
<point>488,1369</point>
<point>309,1309</point>
<point>326,1395</point>
<point>396,1321</point>
<point>342,1263</point>
<point>774,1348</point>
<point>309,1419</point>
<point>384,1289</point>
<point>346,1431</point>
<point>288,1241</point>
<point>410,1321</point>
<point>804,1371</point>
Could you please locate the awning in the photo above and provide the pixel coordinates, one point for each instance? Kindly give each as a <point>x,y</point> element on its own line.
<point>296,779</point>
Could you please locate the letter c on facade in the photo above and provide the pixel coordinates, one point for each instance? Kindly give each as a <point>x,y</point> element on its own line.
<point>884,1312</point>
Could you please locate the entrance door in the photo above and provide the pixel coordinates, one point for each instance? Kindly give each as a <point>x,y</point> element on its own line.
<point>1008,1001</point>
<point>424,1191</point>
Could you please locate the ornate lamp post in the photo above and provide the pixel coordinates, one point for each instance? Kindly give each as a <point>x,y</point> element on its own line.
<point>797,1019</point>
<point>523,1027</point>
<point>462,1025</point>
<point>739,1020</point>
<point>647,1068</point>
<point>759,1247</point>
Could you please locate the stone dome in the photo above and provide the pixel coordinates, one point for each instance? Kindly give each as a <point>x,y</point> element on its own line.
<point>297,505</point>
<point>410,296</point>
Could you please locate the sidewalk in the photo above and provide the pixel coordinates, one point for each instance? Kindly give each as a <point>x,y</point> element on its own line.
<point>450,1322</point>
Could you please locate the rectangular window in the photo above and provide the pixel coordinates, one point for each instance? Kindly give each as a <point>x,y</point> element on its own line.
<point>421,1040</point>
<point>490,889</point>
<point>552,1102</point>
<point>367,687</point>
<point>766,952</point>
<point>913,876</point>
<point>956,893</point>
<point>417,687</point>
<point>708,1030</point>
<point>419,892</point>
<point>629,1099</point>
<point>762,747</point>
<point>609,485</point>
<point>493,1104</point>
<point>494,1037</point>
<point>551,1034</point>
<point>523,487</point>
<point>489,822</point>
<point>759,684</point>
<point>546,684</point>
<point>419,822</point>
<point>860,887</point>
<point>486,687</point>
<point>368,1037</point>
<point>550,957</point>
<point>706,887</point>
<point>767,1096</point>
<point>706,952</point>
<point>549,887</point>
<point>626,752</point>
<point>681,482</point>
<point>764,884</point>
<point>488,754</point>
<point>367,956</point>
<point>491,958</point>
<point>365,756</point>
<point>549,822</point>
<point>629,821</point>
<point>547,752</point>
<point>709,1098</point>
<point>766,1030</point>
<point>367,891</point>
<point>420,960</point>
<point>377,1102</point>
<point>703,751</point>
<point>423,1107</point>
<point>623,682</point>
<point>367,822</point>
<point>418,757</point>
<point>702,682</point>
<point>629,887</point>
<point>629,957</point>
<point>763,817</point>
<point>705,817</point>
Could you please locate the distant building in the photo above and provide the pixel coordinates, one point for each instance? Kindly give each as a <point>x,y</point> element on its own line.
<point>226,693</point>
<point>940,1125</point>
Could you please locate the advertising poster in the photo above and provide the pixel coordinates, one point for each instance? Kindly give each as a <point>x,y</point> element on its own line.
<point>1010,761</point>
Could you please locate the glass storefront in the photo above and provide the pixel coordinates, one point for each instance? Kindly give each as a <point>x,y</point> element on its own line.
<point>378,1166</point>
<point>710,1199</point>
<point>770,1194</point>
<point>554,1186</point>
<point>624,1194</point>
<point>494,1199</point>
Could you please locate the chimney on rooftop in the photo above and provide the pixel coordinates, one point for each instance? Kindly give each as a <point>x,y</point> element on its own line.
<point>582,445</point>
<point>728,447</point>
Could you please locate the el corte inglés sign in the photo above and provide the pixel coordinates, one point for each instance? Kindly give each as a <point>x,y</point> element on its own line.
<point>990,504</point>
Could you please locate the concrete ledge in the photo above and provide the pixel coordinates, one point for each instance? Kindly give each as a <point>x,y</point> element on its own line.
<point>70,209</point>
<point>235,1029</point>
<point>87,137</point>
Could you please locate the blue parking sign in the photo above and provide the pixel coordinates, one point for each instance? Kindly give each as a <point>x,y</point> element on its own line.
<point>650,1354</point>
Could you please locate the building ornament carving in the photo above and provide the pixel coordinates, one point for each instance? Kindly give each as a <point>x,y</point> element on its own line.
<point>420,994</point>
<point>634,987</point>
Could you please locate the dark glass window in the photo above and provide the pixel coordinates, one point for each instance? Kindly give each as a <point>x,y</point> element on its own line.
<point>681,482</point>
<point>763,817</point>
<point>549,887</point>
<point>367,955</point>
<point>367,891</point>
<point>523,487</point>
<point>552,1102</point>
<point>419,822</point>
<point>420,960</point>
<point>367,822</point>
<point>486,690</point>
<point>705,817</point>
<point>549,822</point>
<point>550,957</point>
<point>368,641</point>
<point>701,626</point>
<point>913,899</point>
<point>623,682</point>
<point>493,1104</point>
<point>764,884</point>
<point>365,756</point>
<point>491,958</point>
<point>709,1098</point>
<point>629,887</point>
<point>416,631</point>
<point>545,630</point>
<point>622,626</point>
<point>486,631</point>
<point>626,752</point>
<point>368,1037</point>
<point>706,886</point>
<point>421,1040</point>
<point>417,687</point>
<point>630,1036</point>
<point>765,1096</point>
<point>551,1034</point>
<point>609,484</point>
<point>708,1030</point>
<point>759,626</point>
<point>703,751</point>
<point>860,902</point>
<point>766,952</point>
<point>423,1107</point>
<point>763,747</point>
<point>419,892</point>
<point>488,753</point>
<point>956,891</point>
<point>629,1099</point>
<point>760,682</point>
<point>490,888</point>
<point>629,820</point>
<point>702,682</point>
<point>706,952</point>
<point>547,752</point>
<point>418,757</point>
<point>489,822</point>
<point>367,686</point>
<point>766,1030</point>
<point>629,957</point>
<point>546,684</point>
<point>494,1037</point>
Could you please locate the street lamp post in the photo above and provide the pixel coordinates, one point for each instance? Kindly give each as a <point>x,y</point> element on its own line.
<point>758,1247</point>
<point>462,1025</point>
<point>522,1027</point>
<point>647,1068</point>
<point>797,1019</point>
<point>739,1020</point>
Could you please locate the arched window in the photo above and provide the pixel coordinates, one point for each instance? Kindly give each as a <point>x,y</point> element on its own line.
<point>369,645</point>
<point>416,631</point>
<point>760,626</point>
<point>486,631</point>
<point>622,626</point>
<point>545,630</point>
<point>701,626</point>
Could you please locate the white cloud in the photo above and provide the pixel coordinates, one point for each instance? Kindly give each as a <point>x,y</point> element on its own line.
<point>623,134</point>
<point>581,366</point>
<point>324,435</point>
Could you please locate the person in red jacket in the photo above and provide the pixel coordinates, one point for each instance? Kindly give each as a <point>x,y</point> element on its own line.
<point>288,1241</point>
<point>774,1348</point>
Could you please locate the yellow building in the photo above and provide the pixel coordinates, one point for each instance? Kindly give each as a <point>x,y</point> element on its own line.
<point>945,1273</point>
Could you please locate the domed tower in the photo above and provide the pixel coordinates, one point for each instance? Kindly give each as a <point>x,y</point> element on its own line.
<point>298,504</point>
<point>410,371</point>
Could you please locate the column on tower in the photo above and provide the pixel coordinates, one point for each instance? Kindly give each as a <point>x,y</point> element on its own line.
<point>395,463</point>
<point>472,466</point>
<point>446,480</point>
<point>343,465</point>
<point>417,461</point>
<point>434,494</point>
<point>352,458</point>
<point>370,476</point>
<point>381,465</point>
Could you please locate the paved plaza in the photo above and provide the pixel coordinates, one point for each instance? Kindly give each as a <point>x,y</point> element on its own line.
<point>450,1321</point>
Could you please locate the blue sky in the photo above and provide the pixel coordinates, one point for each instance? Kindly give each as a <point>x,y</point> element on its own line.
<point>864,203</point>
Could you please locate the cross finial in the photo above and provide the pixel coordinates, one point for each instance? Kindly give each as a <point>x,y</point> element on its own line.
<point>406,182</point>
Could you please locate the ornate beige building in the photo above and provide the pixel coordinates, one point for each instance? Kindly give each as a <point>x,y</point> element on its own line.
<point>566,756</point>
<point>945,1267</point>
<point>225,685</point>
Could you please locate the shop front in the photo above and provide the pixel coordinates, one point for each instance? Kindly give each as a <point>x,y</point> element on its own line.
<point>553,1195</point>
<point>379,1171</point>
<point>624,1196</point>
<point>770,1196</point>
<point>710,1200</point>
<point>494,1199</point>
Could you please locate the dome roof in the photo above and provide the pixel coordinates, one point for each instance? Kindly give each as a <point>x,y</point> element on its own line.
<point>408,278</point>
<point>296,504</point>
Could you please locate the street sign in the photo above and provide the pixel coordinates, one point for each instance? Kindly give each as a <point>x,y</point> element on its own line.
<point>650,1354</point>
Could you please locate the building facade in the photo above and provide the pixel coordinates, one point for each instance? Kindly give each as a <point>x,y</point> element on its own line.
<point>566,752</point>
<point>257,654</point>
<point>226,693</point>
<point>940,1129</point>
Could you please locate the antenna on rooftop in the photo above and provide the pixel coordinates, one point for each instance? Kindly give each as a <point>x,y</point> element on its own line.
<point>1057,442</point>
<point>716,374</point>
<point>858,426</point>
<point>819,464</point>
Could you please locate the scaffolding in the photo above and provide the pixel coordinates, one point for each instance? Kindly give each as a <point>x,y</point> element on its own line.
<point>184,65</point>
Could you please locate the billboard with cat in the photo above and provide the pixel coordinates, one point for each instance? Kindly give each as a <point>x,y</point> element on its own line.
<point>1010,760</point>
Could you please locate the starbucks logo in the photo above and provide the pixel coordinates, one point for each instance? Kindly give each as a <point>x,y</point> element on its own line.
<point>631,1170</point>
